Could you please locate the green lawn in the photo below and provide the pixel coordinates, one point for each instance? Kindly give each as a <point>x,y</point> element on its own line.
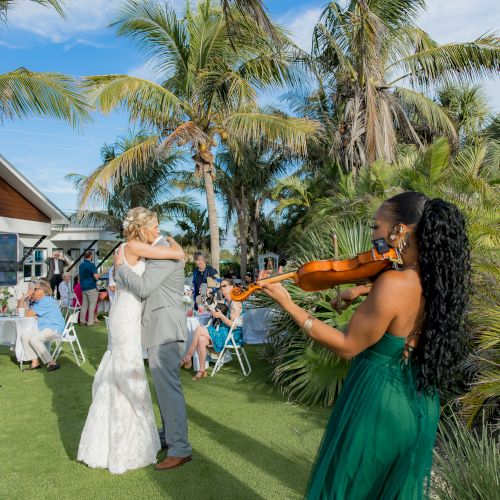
<point>248,442</point>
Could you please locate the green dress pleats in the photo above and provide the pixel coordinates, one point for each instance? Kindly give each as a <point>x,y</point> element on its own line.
<point>379,439</point>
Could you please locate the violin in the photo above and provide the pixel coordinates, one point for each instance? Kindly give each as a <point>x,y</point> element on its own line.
<point>323,274</point>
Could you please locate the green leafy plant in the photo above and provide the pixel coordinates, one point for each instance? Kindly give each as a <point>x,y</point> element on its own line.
<point>466,462</point>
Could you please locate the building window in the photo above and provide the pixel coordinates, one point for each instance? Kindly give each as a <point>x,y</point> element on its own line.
<point>34,265</point>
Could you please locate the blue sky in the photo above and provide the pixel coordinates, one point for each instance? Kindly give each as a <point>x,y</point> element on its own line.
<point>36,38</point>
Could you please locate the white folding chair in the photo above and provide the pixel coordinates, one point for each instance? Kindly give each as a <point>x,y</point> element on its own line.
<point>71,309</point>
<point>239,350</point>
<point>70,337</point>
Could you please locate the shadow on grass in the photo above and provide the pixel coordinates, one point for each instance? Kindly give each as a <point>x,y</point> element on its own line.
<point>71,389</point>
<point>290,472</point>
<point>201,478</point>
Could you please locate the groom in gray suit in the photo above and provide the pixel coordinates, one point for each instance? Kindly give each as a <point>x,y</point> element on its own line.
<point>164,333</point>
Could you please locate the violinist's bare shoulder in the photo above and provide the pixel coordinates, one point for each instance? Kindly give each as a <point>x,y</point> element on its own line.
<point>402,289</point>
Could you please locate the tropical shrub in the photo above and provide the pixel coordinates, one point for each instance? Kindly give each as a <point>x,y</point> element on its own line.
<point>466,463</point>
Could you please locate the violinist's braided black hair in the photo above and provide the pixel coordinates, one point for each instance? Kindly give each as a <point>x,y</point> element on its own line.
<point>444,262</point>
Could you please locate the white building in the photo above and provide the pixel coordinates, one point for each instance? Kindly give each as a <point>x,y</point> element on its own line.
<point>25,211</point>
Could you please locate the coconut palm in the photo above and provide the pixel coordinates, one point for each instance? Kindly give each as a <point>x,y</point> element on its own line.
<point>194,227</point>
<point>467,107</point>
<point>147,187</point>
<point>207,91</point>
<point>253,10</point>
<point>244,180</point>
<point>378,66</point>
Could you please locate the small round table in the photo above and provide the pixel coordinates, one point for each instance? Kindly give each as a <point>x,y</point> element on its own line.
<point>11,329</point>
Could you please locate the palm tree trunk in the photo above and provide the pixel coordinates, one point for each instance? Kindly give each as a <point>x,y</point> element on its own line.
<point>205,163</point>
<point>255,234</point>
<point>243,223</point>
<point>243,228</point>
<point>212,218</point>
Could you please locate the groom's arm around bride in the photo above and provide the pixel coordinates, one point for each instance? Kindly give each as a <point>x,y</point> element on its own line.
<point>164,332</point>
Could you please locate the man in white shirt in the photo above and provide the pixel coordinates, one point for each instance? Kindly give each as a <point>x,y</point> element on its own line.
<point>55,271</point>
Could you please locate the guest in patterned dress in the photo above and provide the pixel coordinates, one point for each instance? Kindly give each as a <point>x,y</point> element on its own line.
<point>215,336</point>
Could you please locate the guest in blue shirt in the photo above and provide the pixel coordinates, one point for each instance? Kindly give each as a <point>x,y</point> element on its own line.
<point>88,282</point>
<point>50,327</point>
<point>201,274</point>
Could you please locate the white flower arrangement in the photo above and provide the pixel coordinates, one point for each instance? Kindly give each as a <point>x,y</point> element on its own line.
<point>5,295</point>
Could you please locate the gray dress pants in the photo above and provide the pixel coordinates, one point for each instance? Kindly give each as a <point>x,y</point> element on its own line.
<point>164,364</point>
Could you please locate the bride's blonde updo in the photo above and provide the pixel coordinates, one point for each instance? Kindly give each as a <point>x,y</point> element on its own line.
<point>137,222</point>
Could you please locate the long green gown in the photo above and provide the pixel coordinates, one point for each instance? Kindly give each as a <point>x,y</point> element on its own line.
<point>379,439</point>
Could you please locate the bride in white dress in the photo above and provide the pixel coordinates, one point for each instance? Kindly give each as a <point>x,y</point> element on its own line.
<point>120,432</point>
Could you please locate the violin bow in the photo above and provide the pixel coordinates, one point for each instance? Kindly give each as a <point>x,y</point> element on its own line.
<point>338,306</point>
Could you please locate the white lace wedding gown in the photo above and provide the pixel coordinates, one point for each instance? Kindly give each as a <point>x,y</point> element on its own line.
<point>120,432</point>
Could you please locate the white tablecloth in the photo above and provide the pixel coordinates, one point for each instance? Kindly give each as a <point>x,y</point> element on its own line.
<point>256,325</point>
<point>193,323</point>
<point>11,329</point>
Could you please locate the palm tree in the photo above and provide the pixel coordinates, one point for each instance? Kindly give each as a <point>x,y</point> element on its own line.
<point>24,93</point>
<point>148,187</point>
<point>253,10</point>
<point>244,181</point>
<point>208,90</point>
<point>467,107</point>
<point>194,227</point>
<point>377,66</point>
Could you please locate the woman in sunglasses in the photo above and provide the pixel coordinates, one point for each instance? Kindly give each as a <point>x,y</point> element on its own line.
<point>204,336</point>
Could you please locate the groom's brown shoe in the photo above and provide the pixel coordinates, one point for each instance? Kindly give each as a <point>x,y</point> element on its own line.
<point>172,463</point>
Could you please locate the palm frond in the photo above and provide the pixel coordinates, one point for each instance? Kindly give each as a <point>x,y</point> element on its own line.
<point>146,101</point>
<point>106,175</point>
<point>289,133</point>
<point>25,93</point>
<point>433,114</point>
<point>457,62</point>
<point>158,32</point>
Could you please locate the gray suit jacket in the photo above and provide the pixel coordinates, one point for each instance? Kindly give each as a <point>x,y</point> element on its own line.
<point>162,288</point>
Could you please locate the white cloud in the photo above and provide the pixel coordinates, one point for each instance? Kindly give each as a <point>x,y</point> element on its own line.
<point>148,71</point>
<point>82,16</point>
<point>8,45</point>
<point>301,23</point>
<point>459,20</point>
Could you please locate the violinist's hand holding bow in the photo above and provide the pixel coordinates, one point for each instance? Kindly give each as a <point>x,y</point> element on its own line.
<point>274,290</point>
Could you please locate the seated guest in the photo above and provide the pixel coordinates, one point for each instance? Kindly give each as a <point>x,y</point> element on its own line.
<point>77,290</point>
<point>202,272</point>
<point>27,300</point>
<point>50,327</point>
<point>204,336</point>
<point>65,290</point>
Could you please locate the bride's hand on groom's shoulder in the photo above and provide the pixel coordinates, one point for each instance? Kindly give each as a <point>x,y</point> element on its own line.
<point>118,257</point>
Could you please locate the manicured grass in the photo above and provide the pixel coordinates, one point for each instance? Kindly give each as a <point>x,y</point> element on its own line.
<point>248,442</point>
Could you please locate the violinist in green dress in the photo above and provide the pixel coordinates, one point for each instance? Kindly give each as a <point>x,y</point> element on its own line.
<point>407,339</point>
